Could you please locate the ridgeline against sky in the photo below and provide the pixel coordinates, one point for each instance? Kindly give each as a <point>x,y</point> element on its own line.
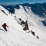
<point>22,1</point>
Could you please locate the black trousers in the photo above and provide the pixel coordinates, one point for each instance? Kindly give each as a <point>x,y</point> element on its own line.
<point>5,29</point>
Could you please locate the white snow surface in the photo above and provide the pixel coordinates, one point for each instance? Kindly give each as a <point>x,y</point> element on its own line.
<point>16,36</point>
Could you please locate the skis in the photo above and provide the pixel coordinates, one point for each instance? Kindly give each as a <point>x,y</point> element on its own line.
<point>2,29</point>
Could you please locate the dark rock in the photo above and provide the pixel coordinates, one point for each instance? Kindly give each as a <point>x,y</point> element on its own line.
<point>33,33</point>
<point>26,26</point>
<point>22,22</point>
<point>37,37</point>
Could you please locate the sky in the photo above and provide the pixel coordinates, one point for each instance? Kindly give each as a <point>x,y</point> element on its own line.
<point>22,1</point>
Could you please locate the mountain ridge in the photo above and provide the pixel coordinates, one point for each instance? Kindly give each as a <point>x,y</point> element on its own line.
<point>37,8</point>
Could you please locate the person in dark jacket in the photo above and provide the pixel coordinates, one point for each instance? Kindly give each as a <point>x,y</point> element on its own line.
<point>4,26</point>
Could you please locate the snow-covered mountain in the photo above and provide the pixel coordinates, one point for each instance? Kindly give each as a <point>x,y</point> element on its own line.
<point>38,9</point>
<point>35,14</point>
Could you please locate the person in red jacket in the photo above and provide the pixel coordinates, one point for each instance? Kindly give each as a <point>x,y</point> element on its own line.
<point>4,26</point>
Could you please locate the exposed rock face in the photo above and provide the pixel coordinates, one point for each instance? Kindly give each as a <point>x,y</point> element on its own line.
<point>26,26</point>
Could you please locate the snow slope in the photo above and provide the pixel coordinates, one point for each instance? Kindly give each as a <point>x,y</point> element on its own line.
<point>16,36</point>
<point>34,21</point>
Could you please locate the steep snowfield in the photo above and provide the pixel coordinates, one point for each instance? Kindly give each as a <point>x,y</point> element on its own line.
<point>16,36</point>
<point>34,21</point>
